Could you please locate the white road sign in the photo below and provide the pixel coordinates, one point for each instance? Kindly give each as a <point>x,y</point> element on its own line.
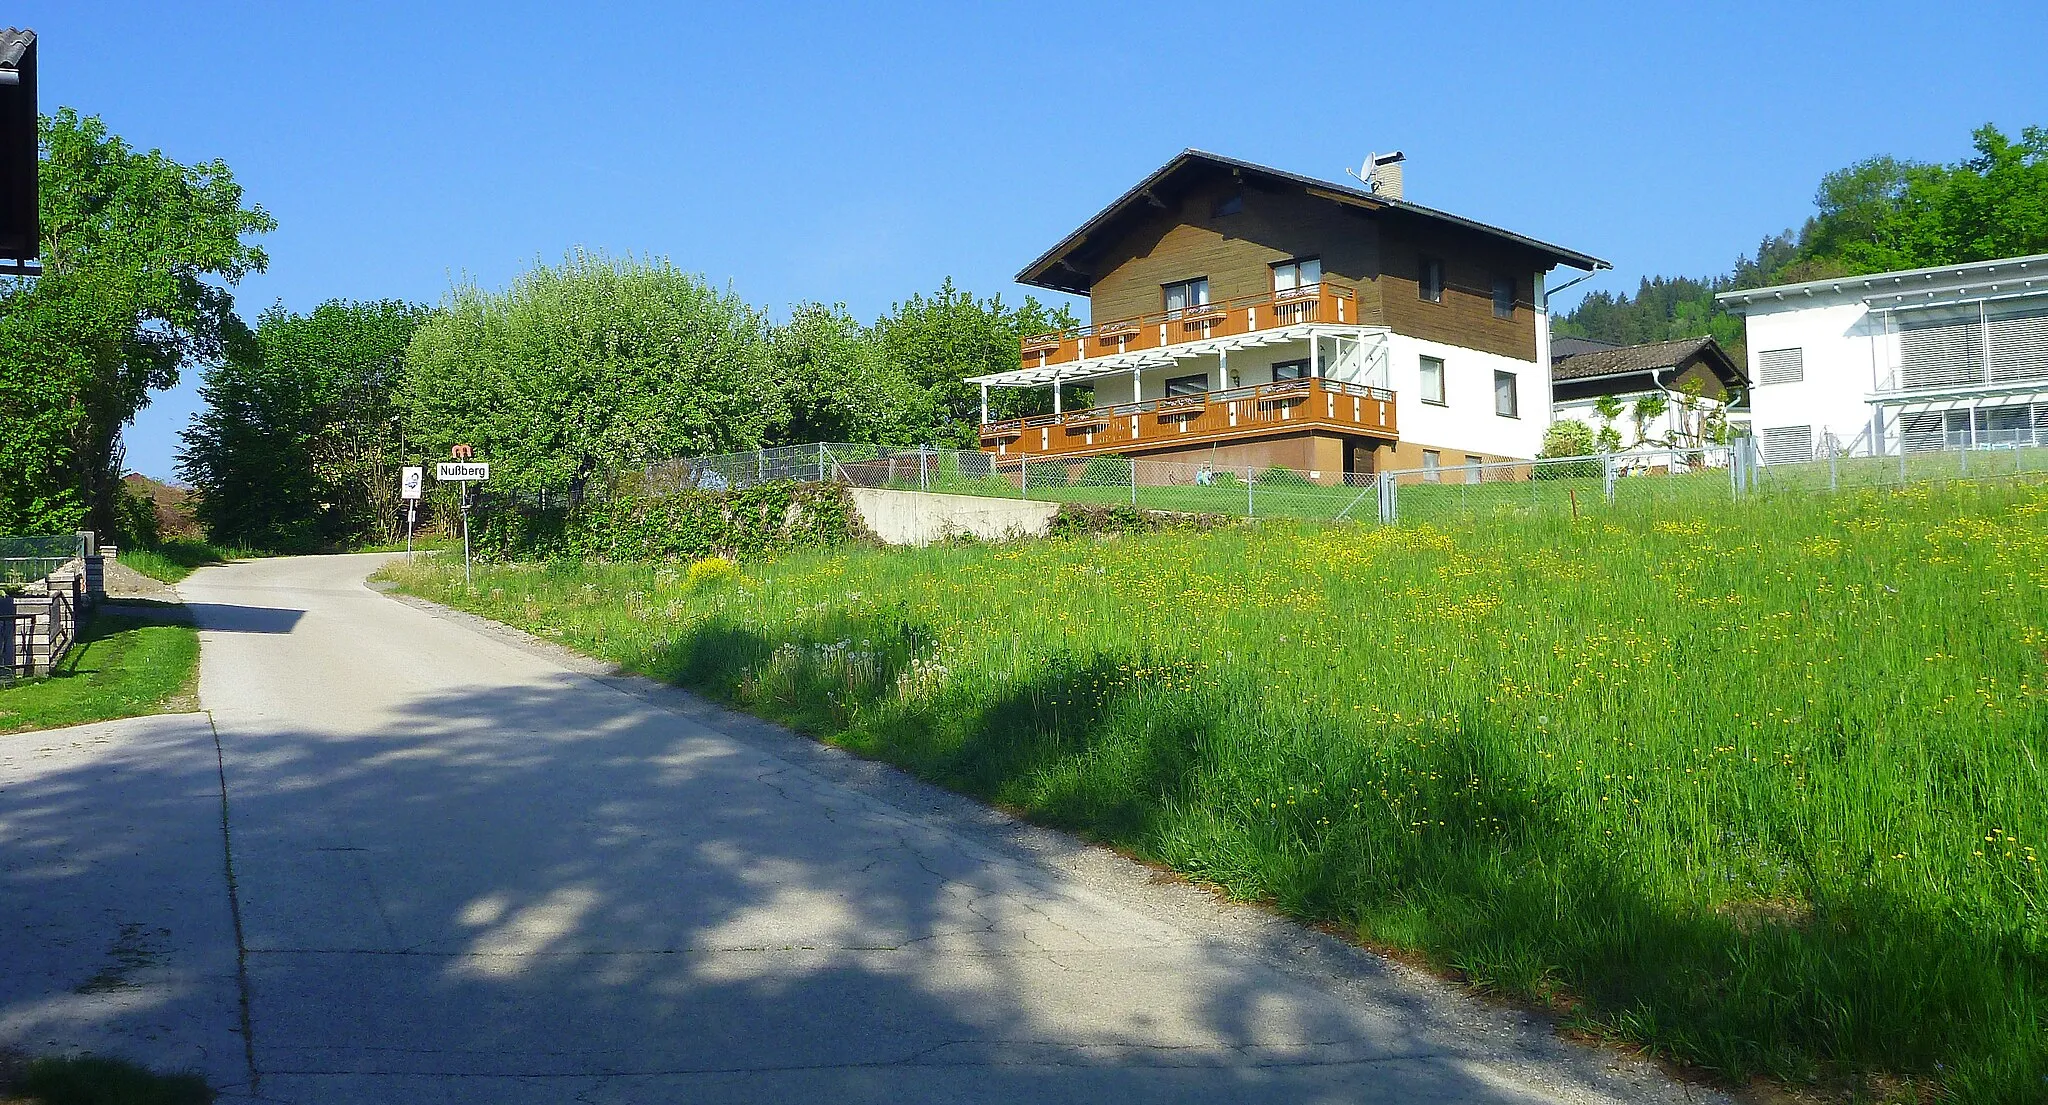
<point>409,481</point>
<point>461,471</point>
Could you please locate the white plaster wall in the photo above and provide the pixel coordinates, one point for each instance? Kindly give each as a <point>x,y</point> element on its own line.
<point>1666,426</point>
<point>1837,347</point>
<point>1466,421</point>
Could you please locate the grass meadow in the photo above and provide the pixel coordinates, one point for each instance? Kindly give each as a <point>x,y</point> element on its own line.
<point>1758,787</point>
<point>122,666</point>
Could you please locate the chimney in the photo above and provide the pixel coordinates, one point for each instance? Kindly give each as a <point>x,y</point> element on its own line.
<point>1384,174</point>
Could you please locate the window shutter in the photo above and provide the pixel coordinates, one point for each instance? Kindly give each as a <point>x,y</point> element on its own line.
<point>1788,444</point>
<point>1781,366</point>
<point>2019,345</point>
<point>1941,353</point>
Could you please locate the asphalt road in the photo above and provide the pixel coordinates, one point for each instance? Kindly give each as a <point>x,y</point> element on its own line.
<point>470,868</point>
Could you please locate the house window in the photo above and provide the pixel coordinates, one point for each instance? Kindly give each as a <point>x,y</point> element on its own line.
<point>1187,385</point>
<point>1781,366</point>
<point>1301,277</point>
<point>1504,403</point>
<point>1472,471</point>
<point>1228,205</point>
<point>1503,297</point>
<point>1290,370</point>
<point>1186,294</point>
<point>1788,444</point>
<point>1429,280</point>
<point>1433,380</point>
<point>1432,466</point>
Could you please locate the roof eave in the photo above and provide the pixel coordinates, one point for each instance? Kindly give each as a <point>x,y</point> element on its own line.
<point>1033,275</point>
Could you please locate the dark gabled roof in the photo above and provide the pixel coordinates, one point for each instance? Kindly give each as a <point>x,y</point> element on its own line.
<point>1044,272</point>
<point>13,45</point>
<point>1657,356</point>
<point>1571,345</point>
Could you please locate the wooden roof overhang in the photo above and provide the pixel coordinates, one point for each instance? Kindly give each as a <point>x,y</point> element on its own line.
<point>1068,266</point>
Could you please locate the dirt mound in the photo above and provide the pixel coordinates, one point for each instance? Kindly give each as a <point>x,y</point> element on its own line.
<point>173,505</point>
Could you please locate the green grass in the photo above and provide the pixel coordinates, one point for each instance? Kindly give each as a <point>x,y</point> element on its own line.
<point>121,667</point>
<point>1757,786</point>
<point>177,558</point>
<point>89,1080</point>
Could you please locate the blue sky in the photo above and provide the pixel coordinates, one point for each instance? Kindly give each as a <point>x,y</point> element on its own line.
<point>857,153</point>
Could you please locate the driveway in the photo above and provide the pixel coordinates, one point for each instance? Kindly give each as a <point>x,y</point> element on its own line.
<point>470,868</point>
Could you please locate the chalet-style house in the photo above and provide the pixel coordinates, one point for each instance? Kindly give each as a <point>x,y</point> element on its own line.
<point>1245,317</point>
<point>1954,357</point>
<point>1696,379</point>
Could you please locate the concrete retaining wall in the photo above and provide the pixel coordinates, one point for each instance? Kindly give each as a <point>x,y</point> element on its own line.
<point>921,518</point>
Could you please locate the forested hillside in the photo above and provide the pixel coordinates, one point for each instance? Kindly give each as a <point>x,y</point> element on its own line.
<point>1875,216</point>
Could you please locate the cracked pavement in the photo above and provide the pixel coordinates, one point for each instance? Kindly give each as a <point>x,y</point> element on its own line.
<point>471,867</point>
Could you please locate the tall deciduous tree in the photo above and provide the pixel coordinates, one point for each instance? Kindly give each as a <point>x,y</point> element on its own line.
<point>938,341</point>
<point>300,441</point>
<point>139,252</point>
<point>838,385</point>
<point>587,365</point>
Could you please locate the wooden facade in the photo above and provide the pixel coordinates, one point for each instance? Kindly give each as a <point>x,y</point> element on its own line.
<point>1289,407</point>
<point>1230,224</point>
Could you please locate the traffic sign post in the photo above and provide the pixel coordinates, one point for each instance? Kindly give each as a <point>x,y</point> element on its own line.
<point>464,472</point>
<point>409,480</point>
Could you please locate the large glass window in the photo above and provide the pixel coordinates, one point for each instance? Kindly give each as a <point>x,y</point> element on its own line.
<point>1188,385</point>
<point>1503,297</point>
<point>1505,402</point>
<point>1186,294</point>
<point>1290,370</point>
<point>1433,380</point>
<point>1303,277</point>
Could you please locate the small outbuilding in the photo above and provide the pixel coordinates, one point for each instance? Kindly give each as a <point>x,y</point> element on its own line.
<point>1668,392</point>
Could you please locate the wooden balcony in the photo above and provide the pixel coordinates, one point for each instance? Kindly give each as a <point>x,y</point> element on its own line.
<point>1317,303</point>
<point>1289,406</point>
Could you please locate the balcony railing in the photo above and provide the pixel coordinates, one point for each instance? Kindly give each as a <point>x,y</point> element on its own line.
<point>1316,303</point>
<point>1189,419</point>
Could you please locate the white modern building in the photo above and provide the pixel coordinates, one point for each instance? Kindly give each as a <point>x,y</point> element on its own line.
<point>1953,357</point>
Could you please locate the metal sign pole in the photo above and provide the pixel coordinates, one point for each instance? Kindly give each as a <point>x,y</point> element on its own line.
<point>465,536</point>
<point>412,510</point>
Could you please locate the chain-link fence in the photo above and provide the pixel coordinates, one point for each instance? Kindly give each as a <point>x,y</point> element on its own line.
<point>1557,487</point>
<point>26,559</point>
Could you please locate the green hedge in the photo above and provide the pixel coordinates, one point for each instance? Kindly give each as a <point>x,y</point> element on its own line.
<point>770,518</point>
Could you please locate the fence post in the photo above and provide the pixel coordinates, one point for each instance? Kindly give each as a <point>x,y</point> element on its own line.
<point>1902,458</point>
<point>1607,475</point>
<point>1834,475</point>
<point>1248,487</point>
<point>1963,460</point>
<point>1023,477</point>
<point>1389,498</point>
<point>821,462</point>
<point>1134,485</point>
<point>924,478</point>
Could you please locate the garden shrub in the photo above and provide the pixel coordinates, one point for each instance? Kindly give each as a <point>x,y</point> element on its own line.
<point>684,525</point>
<point>1105,471</point>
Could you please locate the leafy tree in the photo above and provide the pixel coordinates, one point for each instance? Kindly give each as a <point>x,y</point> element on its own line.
<point>138,254</point>
<point>1884,214</point>
<point>1878,215</point>
<point>1607,439</point>
<point>839,386</point>
<point>299,443</point>
<point>589,365</point>
<point>939,341</point>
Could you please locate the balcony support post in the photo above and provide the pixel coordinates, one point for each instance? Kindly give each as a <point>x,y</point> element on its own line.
<point>984,404</point>
<point>1055,393</point>
<point>1315,356</point>
<point>1137,385</point>
<point>1223,370</point>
